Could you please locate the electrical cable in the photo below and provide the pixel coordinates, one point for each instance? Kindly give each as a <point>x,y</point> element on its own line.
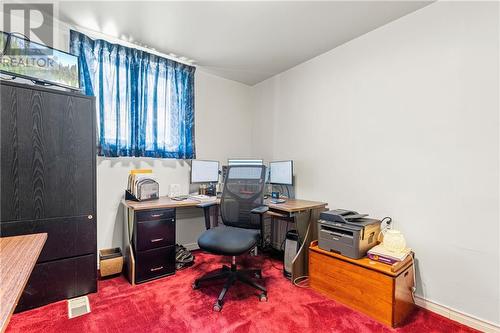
<point>7,42</point>
<point>6,46</point>
<point>274,266</point>
<point>414,287</point>
<point>15,33</point>
<point>4,50</point>
<point>387,221</point>
<point>301,281</point>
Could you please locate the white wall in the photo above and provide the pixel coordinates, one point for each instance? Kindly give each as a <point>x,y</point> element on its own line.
<point>222,130</point>
<point>403,121</point>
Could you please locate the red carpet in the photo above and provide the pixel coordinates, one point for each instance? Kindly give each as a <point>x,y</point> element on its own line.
<point>170,305</point>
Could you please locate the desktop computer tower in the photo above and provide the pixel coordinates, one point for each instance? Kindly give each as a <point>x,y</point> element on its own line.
<point>291,248</point>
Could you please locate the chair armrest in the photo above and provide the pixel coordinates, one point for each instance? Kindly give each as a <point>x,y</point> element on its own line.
<point>259,210</point>
<point>207,204</point>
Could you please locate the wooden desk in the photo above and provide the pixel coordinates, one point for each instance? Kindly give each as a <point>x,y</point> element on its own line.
<point>162,202</point>
<point>18,256</point>
<point>305,213</point>
<point>295,205</point>
<point>166,202</point>
<point>144,263</point>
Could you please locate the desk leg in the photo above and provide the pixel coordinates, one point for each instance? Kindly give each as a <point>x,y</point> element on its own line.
<point>306,224</point>
<point>128,223</point>
<point>215,215</point>
<point>206,212</point>
<point>210,214</point>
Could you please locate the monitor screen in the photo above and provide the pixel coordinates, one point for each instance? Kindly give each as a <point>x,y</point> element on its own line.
<point>244,161</point>
<point>281,172</point>
<point>37,62</point>
<point>245,173</point>
<point>204,171</point>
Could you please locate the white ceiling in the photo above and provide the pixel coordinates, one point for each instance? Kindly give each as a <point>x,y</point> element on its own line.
<point>242,41</point>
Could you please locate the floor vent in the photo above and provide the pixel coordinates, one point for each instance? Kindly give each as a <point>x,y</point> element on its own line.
<point>78,306</point>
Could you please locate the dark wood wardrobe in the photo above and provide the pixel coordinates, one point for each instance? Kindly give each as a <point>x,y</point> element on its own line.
<point>48,184</point>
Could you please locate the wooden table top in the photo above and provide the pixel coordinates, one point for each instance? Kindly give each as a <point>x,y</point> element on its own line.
<point>18,256</point>
<point>392,270</point>
<point>290,206</point>
<point>296,205</point>
<point>161,202</point>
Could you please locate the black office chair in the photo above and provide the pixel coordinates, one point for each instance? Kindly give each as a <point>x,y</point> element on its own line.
<point>242,212</point>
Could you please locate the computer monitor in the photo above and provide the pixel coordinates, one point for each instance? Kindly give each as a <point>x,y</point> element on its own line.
<point>281,172</point>
<point>245,161</point>
<point>204,171</point>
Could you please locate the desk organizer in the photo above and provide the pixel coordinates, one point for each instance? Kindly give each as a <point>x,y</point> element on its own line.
<point>130,196</point>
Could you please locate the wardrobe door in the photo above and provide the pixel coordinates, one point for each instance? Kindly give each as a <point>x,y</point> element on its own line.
<point>9,155</point>
<point>55,155</point>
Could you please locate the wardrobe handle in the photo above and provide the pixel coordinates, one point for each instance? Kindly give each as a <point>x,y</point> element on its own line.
<point>156,240</point>
<point>90,217</point>
<point>156,269</point>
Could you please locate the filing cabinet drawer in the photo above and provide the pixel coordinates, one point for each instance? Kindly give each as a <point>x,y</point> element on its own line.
<point>155,263</point>
<point>155,234</point>
<point>155,214</point>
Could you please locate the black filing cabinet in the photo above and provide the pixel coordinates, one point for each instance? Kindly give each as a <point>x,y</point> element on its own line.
<point>153,242</point>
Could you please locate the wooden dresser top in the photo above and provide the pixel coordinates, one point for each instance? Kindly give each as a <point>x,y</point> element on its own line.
<point>18,256</point>
<point>392,270</point>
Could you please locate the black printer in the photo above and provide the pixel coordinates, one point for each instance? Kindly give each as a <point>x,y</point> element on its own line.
<point>347,232</point>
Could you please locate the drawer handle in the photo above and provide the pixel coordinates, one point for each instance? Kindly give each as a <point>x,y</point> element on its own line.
<point>156,269</point>
<point>156,215</point>
<point>156,240</point>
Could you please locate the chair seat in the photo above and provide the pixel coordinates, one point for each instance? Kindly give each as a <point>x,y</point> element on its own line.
<point>228,241</point>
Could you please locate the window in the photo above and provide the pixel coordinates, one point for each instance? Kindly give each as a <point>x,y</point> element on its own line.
<point>144,103</point>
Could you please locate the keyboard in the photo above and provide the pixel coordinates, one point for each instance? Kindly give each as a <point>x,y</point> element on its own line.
<point>278,201</point>
<point>180,197</point>
<point>202,198</point>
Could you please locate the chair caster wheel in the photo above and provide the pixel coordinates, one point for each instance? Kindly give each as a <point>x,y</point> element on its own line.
<point>263,297</point>
<point>217,307</point>
<point>195,286</point>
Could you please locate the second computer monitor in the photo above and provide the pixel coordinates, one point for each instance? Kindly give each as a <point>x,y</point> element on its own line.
<point>281,172</point>
<point>242,161</point>
<point>204,171</point>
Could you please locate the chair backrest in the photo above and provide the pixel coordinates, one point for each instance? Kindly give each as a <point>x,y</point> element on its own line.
<point>243,191</point>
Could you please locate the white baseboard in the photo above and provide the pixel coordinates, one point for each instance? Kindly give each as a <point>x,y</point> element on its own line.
<point>467,320</point>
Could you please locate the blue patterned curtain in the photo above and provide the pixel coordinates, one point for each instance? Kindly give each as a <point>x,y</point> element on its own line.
<point>145,103</point>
